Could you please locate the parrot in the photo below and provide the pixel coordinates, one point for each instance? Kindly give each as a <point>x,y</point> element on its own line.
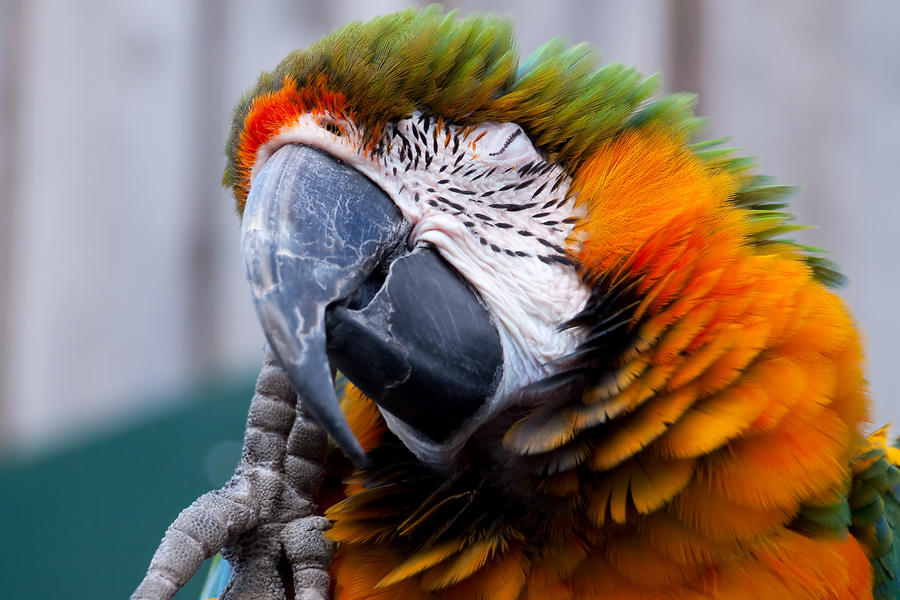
<point>575,355</point>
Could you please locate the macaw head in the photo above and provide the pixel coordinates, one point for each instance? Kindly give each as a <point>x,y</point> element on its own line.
<point>491,249</point>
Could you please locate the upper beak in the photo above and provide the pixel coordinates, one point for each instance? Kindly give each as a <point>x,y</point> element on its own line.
<point>302,253</point>
<point>333,283</point>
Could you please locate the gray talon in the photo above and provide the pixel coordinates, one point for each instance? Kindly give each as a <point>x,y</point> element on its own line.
<point>263,515</point>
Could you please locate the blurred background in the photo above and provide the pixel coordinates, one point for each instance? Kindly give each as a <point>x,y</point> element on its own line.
<point>128,344</point>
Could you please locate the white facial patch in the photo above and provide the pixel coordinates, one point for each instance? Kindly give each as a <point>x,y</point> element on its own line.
<point>496,211</point>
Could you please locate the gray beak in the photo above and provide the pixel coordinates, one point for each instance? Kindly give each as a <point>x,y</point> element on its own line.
<point>334,284</point>
<point>302,253</point>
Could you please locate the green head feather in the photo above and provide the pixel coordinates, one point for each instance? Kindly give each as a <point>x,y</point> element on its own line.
<point>467,71</point>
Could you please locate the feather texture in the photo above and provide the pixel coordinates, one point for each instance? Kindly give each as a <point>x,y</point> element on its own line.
<point>686,444</point>
<point>703,441</point>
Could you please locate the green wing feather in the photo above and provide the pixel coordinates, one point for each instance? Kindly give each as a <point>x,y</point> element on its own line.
<point>870,512</point>
<point>875,513</point>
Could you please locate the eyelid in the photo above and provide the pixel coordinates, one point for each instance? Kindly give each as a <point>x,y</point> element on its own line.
<point>508,141</point>
<point>506,145</point>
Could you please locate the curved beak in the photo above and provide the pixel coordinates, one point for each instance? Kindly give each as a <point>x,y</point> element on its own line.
<point>302,254</point>
<point>333,283</point>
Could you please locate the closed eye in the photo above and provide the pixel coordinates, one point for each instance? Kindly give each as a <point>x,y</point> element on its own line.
<point>508,141</point>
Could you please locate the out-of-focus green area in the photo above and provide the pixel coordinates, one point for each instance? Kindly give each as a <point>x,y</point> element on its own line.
<point>84,522</point>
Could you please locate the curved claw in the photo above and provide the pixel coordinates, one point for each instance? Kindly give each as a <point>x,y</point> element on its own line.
<point>198,532</point>
<point>262,513</point>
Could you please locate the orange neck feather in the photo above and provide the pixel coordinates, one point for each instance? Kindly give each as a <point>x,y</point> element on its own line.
<point>739,403</point>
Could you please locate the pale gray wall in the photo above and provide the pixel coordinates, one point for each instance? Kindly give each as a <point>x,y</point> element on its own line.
<point>120,278</point>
